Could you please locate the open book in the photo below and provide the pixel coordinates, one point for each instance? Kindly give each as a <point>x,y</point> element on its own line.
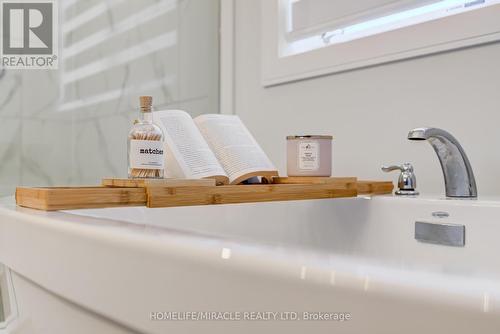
<point>211,146</point>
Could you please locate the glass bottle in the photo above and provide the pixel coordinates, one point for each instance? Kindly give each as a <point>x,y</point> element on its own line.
<point>146,145</point>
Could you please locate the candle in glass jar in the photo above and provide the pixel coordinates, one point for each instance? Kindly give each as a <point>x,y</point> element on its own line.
<point>309,155</point>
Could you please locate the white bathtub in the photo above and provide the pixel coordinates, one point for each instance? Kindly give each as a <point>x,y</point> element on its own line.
<point>114,269</point>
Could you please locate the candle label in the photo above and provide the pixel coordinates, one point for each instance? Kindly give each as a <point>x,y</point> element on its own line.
<point>146,154</point>
<point>308,155</point>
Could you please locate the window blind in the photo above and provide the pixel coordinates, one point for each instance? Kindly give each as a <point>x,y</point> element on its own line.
<point>311,17</point>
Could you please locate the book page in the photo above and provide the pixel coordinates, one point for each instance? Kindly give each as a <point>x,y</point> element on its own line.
<point>187,153</point>
<point>234,146</point>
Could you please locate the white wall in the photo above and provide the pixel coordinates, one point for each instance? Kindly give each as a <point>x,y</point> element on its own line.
<point>370,111</point>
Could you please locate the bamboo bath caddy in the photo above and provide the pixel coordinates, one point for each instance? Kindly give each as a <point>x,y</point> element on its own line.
<point>144,183</point>
<point>176,192</point>
<point>67,198</point>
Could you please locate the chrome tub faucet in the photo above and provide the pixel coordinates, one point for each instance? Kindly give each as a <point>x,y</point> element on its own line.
<point>458,176</point>
<point>407,181</point>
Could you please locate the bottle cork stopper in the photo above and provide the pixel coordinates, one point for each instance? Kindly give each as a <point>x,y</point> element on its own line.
<point>146,102</point>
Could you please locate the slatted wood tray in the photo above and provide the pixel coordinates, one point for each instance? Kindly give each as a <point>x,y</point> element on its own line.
<point>182,196</point>
<point>67,198</point>
<point>145,183</point>
<point>194,193</point>
<point>363,187</point>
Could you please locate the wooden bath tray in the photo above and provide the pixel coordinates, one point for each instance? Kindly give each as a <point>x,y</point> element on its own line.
<point>182,196</point>
<point>364,187</point>
<point>67,198</point>
<point>282,189</point>
<point>144,183</point>
<point>186,193</point>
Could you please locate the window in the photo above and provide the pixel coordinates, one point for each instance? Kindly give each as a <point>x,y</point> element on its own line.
<point>305,38</point>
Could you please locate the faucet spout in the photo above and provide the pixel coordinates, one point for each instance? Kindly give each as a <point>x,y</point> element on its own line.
<point>458,176</point>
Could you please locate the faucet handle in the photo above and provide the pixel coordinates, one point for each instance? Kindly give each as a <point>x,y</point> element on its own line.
<point>406,167</point>
<point>407,182</point>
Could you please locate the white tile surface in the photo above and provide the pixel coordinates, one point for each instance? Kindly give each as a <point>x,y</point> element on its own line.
<point>55,134</point>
